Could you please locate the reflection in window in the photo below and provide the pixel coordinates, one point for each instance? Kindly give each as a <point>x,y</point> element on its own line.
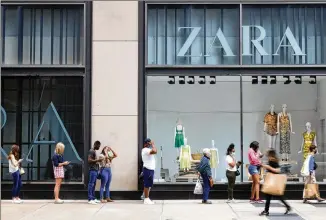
<point>170,28</point>
<point>205,112</point>
<point>56,101</point>
<point>304,23</point>
<point>43,35</point>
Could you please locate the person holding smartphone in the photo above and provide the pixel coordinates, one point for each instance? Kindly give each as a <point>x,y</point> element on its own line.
<point>59,174</point>
<point>14,165</point>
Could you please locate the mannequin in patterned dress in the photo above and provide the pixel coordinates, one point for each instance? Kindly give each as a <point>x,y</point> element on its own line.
<point>284,128</point>
<point>309,137</point>
<point>214,160</point>
<point>185,157</point>
<point>179,136</point>
<point>270,127</point>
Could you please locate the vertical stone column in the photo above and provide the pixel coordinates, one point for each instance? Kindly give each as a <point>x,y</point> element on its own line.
<point>115,86</point>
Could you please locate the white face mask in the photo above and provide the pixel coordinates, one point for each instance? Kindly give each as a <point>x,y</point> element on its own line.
<point>233,154</point>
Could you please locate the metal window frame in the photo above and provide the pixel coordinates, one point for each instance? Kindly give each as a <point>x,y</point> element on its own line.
<point>49,3</point>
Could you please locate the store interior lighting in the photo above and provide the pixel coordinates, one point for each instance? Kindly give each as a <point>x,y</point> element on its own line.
<point>264,80</point>
<point>191,80</point>
<point>212,80</point>
<point>273,80</point>
<point>171,80</point>
<point>254,80</point>
<point>182,80</point>
<point>313,80</point>
<point>288,80</point>
<point>298,80</point>
<point>202,80</point>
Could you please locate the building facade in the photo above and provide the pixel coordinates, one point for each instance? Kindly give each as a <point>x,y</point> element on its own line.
<point>214,68</point>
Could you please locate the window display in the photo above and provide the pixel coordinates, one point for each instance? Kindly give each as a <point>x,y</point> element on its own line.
<point>270,126</point>
<point>309,138</point>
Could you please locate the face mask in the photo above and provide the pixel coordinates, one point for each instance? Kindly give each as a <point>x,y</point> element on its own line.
<point>150,146</point>
<point>233,154</point>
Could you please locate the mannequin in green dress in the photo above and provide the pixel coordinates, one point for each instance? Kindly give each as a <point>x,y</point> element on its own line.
<point>179,136</point>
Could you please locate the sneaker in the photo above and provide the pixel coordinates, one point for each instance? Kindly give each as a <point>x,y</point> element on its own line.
<point>16,201</point>
<point>92,202</point>
<point>207,202</point>
<point>59,201</point>
<point>289,209</point>
<point>147,201</point>
<point>97,201</point>
<point>229,201</point>
<point>142,197</point>
<point>264,213</point>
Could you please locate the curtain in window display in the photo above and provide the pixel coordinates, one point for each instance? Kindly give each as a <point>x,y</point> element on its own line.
<point>50,36</point>
<point>169,27</point>
<point>306,23</point>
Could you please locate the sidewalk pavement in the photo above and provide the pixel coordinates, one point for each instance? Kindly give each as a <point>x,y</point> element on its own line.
<point>162,210</point>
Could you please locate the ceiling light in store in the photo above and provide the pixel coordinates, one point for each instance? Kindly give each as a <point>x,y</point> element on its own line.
<point>264,80</point>
<point>212,80</point>
<point>171,80</point>
<point>191,80</point>
<point>288,80</point>
<point>298,80</point>
<point>202,80</point>
<point>273,80</point>
<point>313,80</point>
<point>254,80</point>
<point>182,80</point>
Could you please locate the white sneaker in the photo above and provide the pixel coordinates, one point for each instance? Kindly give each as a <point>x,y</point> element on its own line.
<point>59,201</point>
<point>142,197</point>
<point>16,201</point>
<point>229,201</point>
<point>147,201</point>
<point>97,201</point>
<point>92,202</point>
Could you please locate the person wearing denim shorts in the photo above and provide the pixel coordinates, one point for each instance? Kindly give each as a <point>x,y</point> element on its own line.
<point>254,156</point>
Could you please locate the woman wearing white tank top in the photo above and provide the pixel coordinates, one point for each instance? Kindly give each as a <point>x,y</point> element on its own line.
<point>14,164</point>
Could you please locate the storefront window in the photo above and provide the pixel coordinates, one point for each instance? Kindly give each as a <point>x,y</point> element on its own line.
<point>286,34</point>
<point>41,112</point>
<point>272,111</point>
<point>205,112</point>
<point>193,34</point>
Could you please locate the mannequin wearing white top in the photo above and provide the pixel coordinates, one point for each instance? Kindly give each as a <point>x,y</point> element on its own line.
<point>270,127</point>
<point>214,160</point>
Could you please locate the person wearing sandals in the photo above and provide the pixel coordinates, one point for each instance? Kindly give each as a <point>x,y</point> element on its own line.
<point>273,167</point>
<point>59,174</point>
<point>105,165</point>
<point>14,164</point>
<point>311,179</point>
<point>254,156</point>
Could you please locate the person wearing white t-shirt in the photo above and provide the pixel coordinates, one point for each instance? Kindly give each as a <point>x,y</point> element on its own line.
<point>231,169</point>
<point>148,156</point>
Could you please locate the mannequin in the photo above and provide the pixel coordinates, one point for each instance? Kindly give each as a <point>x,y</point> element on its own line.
<point>270,127</point>
<point>284,128</point>
<point>214,160</point>
<point>185,156</point>
<point>179,135</point>
<point>309,137</point>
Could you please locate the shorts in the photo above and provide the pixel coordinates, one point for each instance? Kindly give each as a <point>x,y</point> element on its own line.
<point>58,172</point>
<point>148,177</point>
<point>253,169</point>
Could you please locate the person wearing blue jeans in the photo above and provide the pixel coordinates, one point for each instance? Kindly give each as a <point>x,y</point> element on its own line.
<point>14,165</point>
<point>93,172</point>
<point>17,184</point>
<point>205,171</point>
<point>106,175</point>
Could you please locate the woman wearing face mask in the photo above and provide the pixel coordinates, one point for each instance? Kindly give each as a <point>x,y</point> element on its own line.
<point>311,179</point>
<point>231,169</point>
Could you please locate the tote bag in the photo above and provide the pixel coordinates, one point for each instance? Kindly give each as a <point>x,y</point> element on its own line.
<point>198,188</point>
<point>274,184</point>
<point>310,191</point>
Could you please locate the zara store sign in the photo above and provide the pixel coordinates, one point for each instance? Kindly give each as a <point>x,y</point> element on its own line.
<point>246,43</point>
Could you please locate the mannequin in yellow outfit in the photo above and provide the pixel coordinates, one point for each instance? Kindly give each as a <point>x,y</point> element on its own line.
<point>309,138</point>
<point>214,160</point>
<point>185,157</point>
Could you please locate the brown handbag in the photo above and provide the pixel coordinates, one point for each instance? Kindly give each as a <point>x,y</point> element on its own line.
<point>211,182</point>
<point>310,191</point>
<point>274,184</point>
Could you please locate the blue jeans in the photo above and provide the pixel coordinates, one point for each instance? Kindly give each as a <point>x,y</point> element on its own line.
<point>105,183</point>
<point>91,184</point>
<point>17,183</point>
<point>206,187</point>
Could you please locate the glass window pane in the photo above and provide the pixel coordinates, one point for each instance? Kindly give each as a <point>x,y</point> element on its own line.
<point>205,114</point>
<point>10,35</point>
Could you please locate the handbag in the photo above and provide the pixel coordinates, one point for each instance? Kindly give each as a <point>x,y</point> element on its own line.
<point>21,171</point>
<point>198,188</point>
<point>305,167</point>
<point>310,191</point>
<point>274,184</point>
<point>237,173</point>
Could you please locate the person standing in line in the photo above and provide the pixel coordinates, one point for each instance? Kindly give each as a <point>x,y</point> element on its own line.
<point>273,167</point>
<point>205,171</point>
<point>148,156</point>
<point>106,175</point>
<point>231,169</point>
<point>93,172</point>
<point>311,179</point>
<point>254,156</point>
<point>14,165</point>
<point>59,174</point>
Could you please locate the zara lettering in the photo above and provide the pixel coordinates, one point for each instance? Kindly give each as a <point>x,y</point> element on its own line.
<point>246,41</point>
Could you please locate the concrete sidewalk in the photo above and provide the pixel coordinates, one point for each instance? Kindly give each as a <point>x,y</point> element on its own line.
<point>162,210</point>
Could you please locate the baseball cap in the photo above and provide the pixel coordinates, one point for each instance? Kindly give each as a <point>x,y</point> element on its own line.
<point>147,140</point>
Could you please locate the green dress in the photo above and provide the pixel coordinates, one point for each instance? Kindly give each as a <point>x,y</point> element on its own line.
<point>179,137</point>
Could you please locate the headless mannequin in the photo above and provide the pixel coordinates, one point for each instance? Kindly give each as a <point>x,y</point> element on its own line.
<point>308,131</point>
<point>189,154</point>
<point>271,137</point>
<point>179,126</point>
<point>285,156</point>
<point>213,148</point>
